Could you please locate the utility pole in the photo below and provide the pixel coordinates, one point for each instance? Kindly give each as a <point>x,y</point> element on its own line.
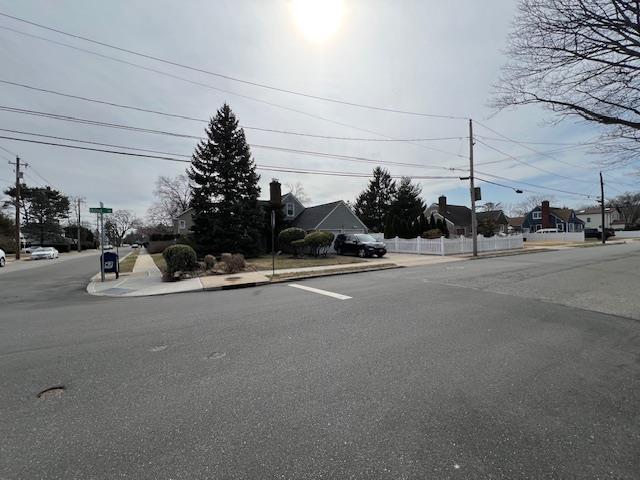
<point>19,176</point>
<point>79,207</point>
<point>604,236</point>
<point>102,241</point>
<point>472,190</point>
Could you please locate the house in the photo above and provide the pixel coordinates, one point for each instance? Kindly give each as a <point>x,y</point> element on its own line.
<point>514,224</point>
<point>545,216</point>
<point>334,217</point>
<point>458,217</point>
<point>182,223</point>
<point>592,218</point>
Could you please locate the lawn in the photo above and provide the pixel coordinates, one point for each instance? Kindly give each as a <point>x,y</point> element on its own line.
<point>127,263</point>
<point>159,260</point>
<point>285,261</point>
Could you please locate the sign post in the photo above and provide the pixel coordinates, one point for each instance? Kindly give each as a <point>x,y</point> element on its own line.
<point>101,210</point>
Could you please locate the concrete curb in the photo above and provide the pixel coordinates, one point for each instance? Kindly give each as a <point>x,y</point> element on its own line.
<point>235,287</point>
<point>330,273</point>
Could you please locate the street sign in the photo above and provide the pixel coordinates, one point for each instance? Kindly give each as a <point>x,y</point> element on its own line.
<point>100,210</point>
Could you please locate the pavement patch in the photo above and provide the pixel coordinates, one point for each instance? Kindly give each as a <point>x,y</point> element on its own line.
<point>339,296</point>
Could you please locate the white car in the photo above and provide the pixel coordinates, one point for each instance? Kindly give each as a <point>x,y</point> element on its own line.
<point>547,230</point>
<point>44,252</point>
<point>134,245</point>
<point>3,258</point>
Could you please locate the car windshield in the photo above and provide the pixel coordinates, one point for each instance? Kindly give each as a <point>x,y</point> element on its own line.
<point>365,238</point>
<point>40,249</point>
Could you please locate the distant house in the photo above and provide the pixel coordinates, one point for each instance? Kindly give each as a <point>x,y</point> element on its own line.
<point>592,218</point>
<point>545,216</point>
<point>514,224</point>
<point>458,217</point>
<point>182,223</point>
<point>334,217</point>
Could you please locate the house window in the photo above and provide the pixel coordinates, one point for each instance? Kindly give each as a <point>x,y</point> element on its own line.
<point>560,227</point>
<point>588,219</point>
<point>538,226</point>
<point>290,209</point>
<point>536,215</point>
<point>570,227</point>
<point>183,225</point>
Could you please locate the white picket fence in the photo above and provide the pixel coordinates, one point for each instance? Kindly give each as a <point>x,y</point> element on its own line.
<point>627,234</point>
<point>449,246</point>
<point>554,237</point>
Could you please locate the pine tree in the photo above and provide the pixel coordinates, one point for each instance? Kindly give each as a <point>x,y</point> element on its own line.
<point>372,205</point>
<point>439,225</point>
<point>225,190</point>
<point>432,222</point>
<point>445,229</point>
<point>407,203</point>
<point>389,232</point>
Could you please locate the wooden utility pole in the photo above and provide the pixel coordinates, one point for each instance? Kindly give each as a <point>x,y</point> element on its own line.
<point>17,203</point>
<point>604,235</point>
<point>79,207</point>
<point>472,190</point>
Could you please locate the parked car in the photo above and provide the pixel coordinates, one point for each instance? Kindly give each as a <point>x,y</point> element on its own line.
<point>361,244</point>
<point>595,233</point>
<point>30,248</point>
<point>3,258</point>
<point>135,245</point>
<point>44,252</point>
<point>547,230</point>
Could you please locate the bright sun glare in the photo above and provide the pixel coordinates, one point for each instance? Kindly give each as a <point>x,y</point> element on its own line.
<point>318,19</point>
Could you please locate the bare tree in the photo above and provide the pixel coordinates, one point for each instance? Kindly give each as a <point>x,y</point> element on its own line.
<point>119,223</point>
<point>298,191</point>
<point>525,206</point>
<point>628,204</point>
<point>489,206</point>
<point>578,58</point>
<point>172,198</point>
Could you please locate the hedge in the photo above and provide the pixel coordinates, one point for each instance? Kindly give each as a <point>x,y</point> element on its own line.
<point>180,258</point>
<point>288,236</point>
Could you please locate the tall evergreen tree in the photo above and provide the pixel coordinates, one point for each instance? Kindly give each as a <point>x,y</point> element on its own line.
<point>224,187</point>
<point>372,205</point>
<point>407,203</point>
<point>432,222</point>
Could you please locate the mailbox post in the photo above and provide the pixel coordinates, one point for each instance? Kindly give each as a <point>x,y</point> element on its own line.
<point>101,210</point>
<point>110,263</point>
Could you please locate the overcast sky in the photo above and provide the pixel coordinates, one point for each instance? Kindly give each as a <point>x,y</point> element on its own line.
<point>424,55</point>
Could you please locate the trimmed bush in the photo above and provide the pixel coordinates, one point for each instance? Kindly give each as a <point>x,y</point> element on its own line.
<point>318,243</point>
<point>298,247</point>
<point>287,236</point>
<point>180,258</point>
<point>431,234</point>
<point>231,263</point>
<point>209,261</point>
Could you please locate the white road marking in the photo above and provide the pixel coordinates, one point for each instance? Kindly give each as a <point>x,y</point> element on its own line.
<point>339,296</point>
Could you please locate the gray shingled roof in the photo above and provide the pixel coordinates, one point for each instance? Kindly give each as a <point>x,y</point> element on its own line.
<point>311,217</point>
<point>458,215</point>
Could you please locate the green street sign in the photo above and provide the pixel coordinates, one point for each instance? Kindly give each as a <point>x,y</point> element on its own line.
<point>100,210</point>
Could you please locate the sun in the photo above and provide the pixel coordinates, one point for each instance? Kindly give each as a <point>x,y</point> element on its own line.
<point>318,20</point>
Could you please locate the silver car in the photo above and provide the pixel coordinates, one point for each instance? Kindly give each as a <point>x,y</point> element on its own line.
<point>44,252</point>
<point>3,258</point>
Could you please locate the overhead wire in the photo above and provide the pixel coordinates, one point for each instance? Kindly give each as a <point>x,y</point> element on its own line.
<point>229,77</point>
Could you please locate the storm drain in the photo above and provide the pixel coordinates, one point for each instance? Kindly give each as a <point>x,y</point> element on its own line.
<point>51,392</point>
<point>216,355</point>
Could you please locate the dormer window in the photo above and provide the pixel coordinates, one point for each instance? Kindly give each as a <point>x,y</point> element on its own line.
<point>290,209</point>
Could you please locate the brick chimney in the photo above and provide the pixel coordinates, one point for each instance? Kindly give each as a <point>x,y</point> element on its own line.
<point>442,204</point>
<point>546,217</point>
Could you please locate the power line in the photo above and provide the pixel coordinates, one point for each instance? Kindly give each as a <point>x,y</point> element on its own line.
<point>258,166</point>
<point>8,151</point>
<point>253,145</point>
<point>534,185</point>
<point>228,77</point>
<point>202,120</point>
<point>574,144</point>
<point>204,85</point>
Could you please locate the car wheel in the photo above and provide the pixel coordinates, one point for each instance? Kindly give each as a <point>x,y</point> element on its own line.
<point>362,253</point>
<point>2,262</point>
<point>338,251</point>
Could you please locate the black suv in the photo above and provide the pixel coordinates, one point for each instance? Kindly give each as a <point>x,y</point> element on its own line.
<point>595,233</point>
<point>361,244</point>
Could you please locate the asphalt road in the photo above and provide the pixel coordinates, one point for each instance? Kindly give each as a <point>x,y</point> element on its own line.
<point>513,367</point>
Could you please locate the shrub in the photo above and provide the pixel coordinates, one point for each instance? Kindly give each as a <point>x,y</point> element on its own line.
<point>7,244</point>
<point>231,263</point>
<point>180,258</point>
<point>431,234</point>
<point>298,247</point>
<point>209,261</point>
<point>158,246</point>
<point>318,243</point>
<point>289,235</point>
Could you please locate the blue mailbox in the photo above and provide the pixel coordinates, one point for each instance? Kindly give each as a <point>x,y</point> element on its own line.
<point>111,264</point>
